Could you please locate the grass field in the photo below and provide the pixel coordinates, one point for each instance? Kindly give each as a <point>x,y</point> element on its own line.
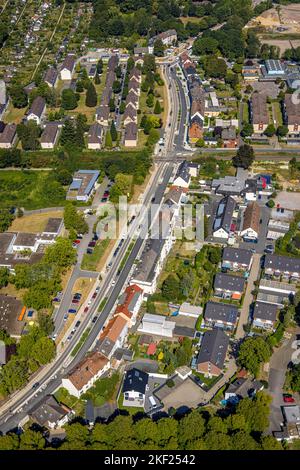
<point>34,223</point>
<point>90,262</point>
<point>28,189</point>
<point>14,114</point>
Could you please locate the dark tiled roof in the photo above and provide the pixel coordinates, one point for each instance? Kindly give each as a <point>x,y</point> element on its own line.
<point>237,255</point>
<point>8,134</point>
<point>136,380</point>
<point>37,106</point>
<point>224,214</point>
<point>131,131</point>
<point>265,311</point>
<point>223,312</point>
<point>49,133</point>
<point>214,348</point>
<point>229,282</point>
<point>95,134</point>
<point>69,62</point>
<point>282,263</point>
<point>51,76</point>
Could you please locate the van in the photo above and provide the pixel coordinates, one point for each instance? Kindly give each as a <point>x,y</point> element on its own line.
<point>152,401</point>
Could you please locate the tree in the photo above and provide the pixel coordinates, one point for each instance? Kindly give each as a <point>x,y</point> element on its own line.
<point>153,137</point>
<point>270,443</point>
<point>99,66</point>
<point>91,96</point>
<point>44,350</point>
<point>64,177</point>
<point>191,427</point>
<point>122,186</point>
<point>282,131</point>
<point>4,277</point>
<point>271,203</point>
<point>256,411</point>
<point>205,45</point>
<point>32,440</point>
<point>215,67</point>
<point>6,219</point>
<point>46,323</point>
<point>158,48</point>
<point>97,80</point>
<point>150,100</point>
<point>113,132</point>
<point>61,253</point>
<point>122,107</point>
<point>252,353</point>
<point>157,107</point>
<point>18,96</point>
<point>13,376</point>
<point>116,87</point>
<point>170,287</point>
<point>270,130</point>
<point>108,139</point>
<point>68,133</point>
<point>9,442</point>
<point>69,99</point>
<point>73,219</point>
<point>244,157</point>
<point>29,135</point>
<point>247,130</point>
<point>112,105</point>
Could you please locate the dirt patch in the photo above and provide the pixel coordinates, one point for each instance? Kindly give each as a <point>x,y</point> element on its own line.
<point>11,290</point>
<point>34,223</point>
<point>282,44</point>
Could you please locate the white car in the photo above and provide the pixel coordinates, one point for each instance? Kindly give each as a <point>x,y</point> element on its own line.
<point>89,303</point>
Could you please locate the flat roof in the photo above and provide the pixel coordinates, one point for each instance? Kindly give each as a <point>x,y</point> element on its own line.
<point>10,308</point>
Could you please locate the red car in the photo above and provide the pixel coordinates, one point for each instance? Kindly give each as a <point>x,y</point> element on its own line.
<point>92,244</point>
<point>94,295</point>
<point>77,241</point>
<point>86,309</point>
<point>288,399</point>
<point>106,193</point>
<point>75,301</point>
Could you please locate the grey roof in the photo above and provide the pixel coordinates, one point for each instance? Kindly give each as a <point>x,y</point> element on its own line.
<point>69,62</point>
<point>131,131</point>
<point>132,98</point>
<point>105,346</point>
<point>130,112</point>
<point>8,134</point>
<point>237,255</point>
<point>223,312</point>
<point>37,106</point>
<point>51,76</point>
<point>136,380</point>
<point>84,180</point>
<point>243,387</point>
<point>49,411</point>
<point>224,214</point>
<point>228,133</point>
<point>53,225</point>
<point>282,263</point>
<point>265,311</point>
<point>229,282</point>
<point>183,171</point>
<point>214,348</point>
<point>229,185</point>
<point>50,132</point>
<point>274,65</point>
<point>292,414</point>
<point>95,134</point>
<point>102,112</point>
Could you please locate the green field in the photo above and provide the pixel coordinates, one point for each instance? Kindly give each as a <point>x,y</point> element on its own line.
<point>29,189</point>
<point>90,262</point>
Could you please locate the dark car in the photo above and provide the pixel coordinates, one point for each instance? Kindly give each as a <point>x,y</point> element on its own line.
<point>106,193</point>
<point>36,385</point>
<point>269,249</point>
<point>77,324</point>
<point>95,237</point>
<point>72,310</point>
<point>92,244</point>
<point>86,309</point>
<point>94,319</point>
<point>75,301</point>
<point>104,199</point>
<point>89,251</point>
<point>94,295</point>
<point>77,295</point>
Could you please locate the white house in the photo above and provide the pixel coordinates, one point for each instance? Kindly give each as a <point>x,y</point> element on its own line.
<point>113,335</point>
<point>182,177</point>
<point>68,67</point>
<point>85,374</point>
<point>37,110</point>
<point>188,310</point>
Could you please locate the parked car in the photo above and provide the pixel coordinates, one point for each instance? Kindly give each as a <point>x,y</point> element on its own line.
<point>36,385</point>
<point>104,199</point>
<point>75,301</point>
<point>97,289</point>
<point>69,338</point>
<point>92,244</point>
<point>77,324</point>
<point>94,295</point>
<point>72,310</point>
<point>66,316</point>
<point>89,251</point>
<point>269,249</point>
<point>77,295</point>
<point>288,398</point>
<point>79,236</point>
<point>77,241</point>
<point>94,319</point>
<point>86,309</point>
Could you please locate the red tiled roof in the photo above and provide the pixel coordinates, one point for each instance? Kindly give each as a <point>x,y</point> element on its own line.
<point>151,349</point>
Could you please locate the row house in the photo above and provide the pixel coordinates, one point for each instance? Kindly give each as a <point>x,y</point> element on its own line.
<point>223,226</point>
<point>265,315</point>
<point>236,259</point>
<point>282,266</point>
<point>212,354</point>
<point>291,112</point>
<point>221,315</point>
<point>229,286</point>
<point>251,222</point>
<point>259,112</point>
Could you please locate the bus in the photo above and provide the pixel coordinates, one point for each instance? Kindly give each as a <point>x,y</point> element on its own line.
<point>22,314</point>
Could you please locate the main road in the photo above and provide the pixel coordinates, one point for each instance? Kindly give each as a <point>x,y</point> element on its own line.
<point>49,377</point>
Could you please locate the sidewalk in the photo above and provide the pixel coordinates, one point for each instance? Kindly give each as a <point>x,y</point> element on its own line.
<point>248,299</point>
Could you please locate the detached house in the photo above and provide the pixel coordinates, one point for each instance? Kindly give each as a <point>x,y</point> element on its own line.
<point>85,374</point>
<point>221,315</point>
<point>50,414</point>
<point>212,354</point>
<point>50,135</point>
<point>8,137</point>
<point>223,221</point>
<point>37,110</point>
<point>134,387</point>
<point>292,114</point>
<point>259,112</point>
<point>131,135</point>
<point>95,136</point>
<point>182,177</point>
<point>51,77</point>
<point>250,229</point>
<point>68,67</point>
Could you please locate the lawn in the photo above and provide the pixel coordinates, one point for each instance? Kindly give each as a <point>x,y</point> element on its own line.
<point>277,114</point>
<point>80,342</point>
<point>14,114</point>
<point>28,189</point>
<point>34,223</point>
<point>63,396</point>
<point>104,390</point>
<point>90,262</point>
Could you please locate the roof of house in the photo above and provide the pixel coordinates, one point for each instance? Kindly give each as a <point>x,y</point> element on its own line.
<point>136,380</point>
<point>186,307</point>
<point>260,108</point>
<point>83,181</point>
<point>49,411</point>
<point>69,62</point>
<point>224,214</point>
<point>51,76</point>
<point>102,112</point>
<point>223,312</point>
<point>111,333</point>
<point>237,255</point>
<point>282,263</point>
<point>265,311</point>
<point>292,107</point>
<point>129,299</point>
<point>244,387</point>
<point>10,308</point>
<point>252,217</point>
<point>132,98</point>
<point>130,112</point>
<point>95,134</point>
<point>229,133</point>
<point>183,172</point>
<point>25,239</point>
<point>38,106</point>
<point>174,195</point>
<point>87,369</point>
<point>213,348</point>
<point>292,413</point>
<point>229,282</point>
<point>195,130</point>
<point>8,134</point>
<point>50,132</point>
<point>131,131</point>
<point>168,33</point>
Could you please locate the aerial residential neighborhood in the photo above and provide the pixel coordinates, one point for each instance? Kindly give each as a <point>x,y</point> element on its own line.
<point>150,227</point>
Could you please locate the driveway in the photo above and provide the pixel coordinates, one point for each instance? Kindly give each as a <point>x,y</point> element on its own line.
<point>248,299</point>
<point>278,366</point>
